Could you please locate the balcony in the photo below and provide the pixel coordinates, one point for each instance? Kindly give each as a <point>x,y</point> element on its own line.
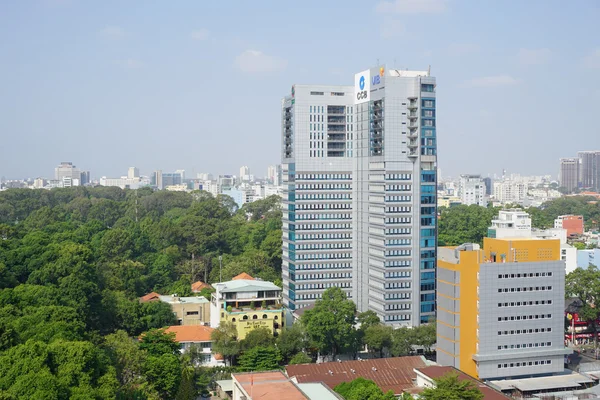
<point>413,154</point>
<point>413,144</point>
<point>413,134</point>
<point>413,115</point>
<point>413,125</point>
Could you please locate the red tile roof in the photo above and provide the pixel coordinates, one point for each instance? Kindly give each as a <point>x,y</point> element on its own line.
<point>149,297</point>
<point>198,286</point>
<point>395,374</point>
<point>191,333</point>
<point>437,372</point>
<point>243,275</point>
<point>269,386</point>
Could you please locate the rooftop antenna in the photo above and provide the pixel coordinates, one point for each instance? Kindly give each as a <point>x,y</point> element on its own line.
<point>429,70</point>
<point>377,62</point>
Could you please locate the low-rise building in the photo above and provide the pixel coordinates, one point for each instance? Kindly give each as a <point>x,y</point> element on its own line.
<point>196,335</point>
<point>500,309</point>
<point>572,223</point>
<point>198,286</point>
<point>188,310</point>
<point>248,303</point>
<point>426,379</point>
<point>274,385</point>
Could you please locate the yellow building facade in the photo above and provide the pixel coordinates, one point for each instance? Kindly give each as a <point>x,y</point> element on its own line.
<point>489,301</point>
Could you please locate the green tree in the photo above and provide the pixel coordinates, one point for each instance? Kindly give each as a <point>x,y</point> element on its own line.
<point>584,284</point>
<point>378,337</point>
<point>362,389</point>
<point>261,336</point>
<point>579,245</point>
<point>330,323</point>
<point>225,341</point>
<point>127,357</point>
<point>425,335</point>
<point>163,373</point>
<point>293,340</point>
<point>260,359</point>
<point>403,340</point>
<point>367,319</point>
<point>300,358</point>
<point>158,342</point>
<point>449,387</point>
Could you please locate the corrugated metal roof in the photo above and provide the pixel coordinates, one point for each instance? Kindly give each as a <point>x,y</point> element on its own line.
<point>395,374</point>
<point>244,285</point>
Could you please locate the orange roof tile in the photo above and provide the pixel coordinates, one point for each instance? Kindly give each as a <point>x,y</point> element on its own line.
<point>191,333</point>
<point>269,386</point>
<point>149,297</point>
<point>243,275</point>
<point>395,374</point>
<point>198,286</point>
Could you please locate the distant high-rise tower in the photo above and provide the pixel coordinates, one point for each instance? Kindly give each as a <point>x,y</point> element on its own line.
<point>569,173</point>
<point>589,175</point>
<point>158,179</point>
<point>244,173</point>
<point>133,172</point>
<point>69,174</point>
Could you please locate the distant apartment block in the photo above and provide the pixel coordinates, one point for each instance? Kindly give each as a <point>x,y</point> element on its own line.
<point>589,172</point>
<point>500,308</point>
<point>569,173</point>
<point>472,190</point>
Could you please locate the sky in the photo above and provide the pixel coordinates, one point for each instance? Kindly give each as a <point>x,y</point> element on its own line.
<point>197,84</point>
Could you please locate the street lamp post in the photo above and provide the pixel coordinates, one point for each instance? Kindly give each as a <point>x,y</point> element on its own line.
<point>220,268</point>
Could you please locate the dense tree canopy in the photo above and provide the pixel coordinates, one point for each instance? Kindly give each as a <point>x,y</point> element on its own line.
<point>362,389</point>
<point>449,387</point>
<point>73,263</point>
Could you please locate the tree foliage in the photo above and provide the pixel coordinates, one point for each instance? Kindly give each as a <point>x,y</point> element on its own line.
<point>362,389</point>
<point>73,263</point>
<point>260,359</point>
<point>449,387</point>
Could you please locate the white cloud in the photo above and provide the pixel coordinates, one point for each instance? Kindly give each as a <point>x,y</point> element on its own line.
<point>491,81</point>
<point>391,28</point>
<point>254,61</point>
<point>459,49</point>
<point>534,56</point>
<point>412,6</point>
<point>200,34</point>
<point>130,63</point>
<point>113,32</point>
<point>592,60</point>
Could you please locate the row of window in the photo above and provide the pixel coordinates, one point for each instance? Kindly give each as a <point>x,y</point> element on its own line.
<point>401,252</point>
<point>322,236</point>
<point>335,275</point>
<point>399,306</point>
<point>398,209</point>
<point>396,242</point>
<point>314,227</point>
<point>397,199</point>
<point>525,303</point>
<point>398,263</point>
<point>327,196</point>
<point>396,285</point>
<point>322,216</point>
<point>398,231</point>
<point>398,177</point>
<point>398,220</point>
<point>524,331</point>
<point>524,275</point>
<point>324,246</point>
<point>325,177</point>
<point>398,188</point>
<point>321,206</point>
<point>397,274</point>
<point>401,317</point>
<point>323,266</point>
<point>316,135</point>
<point>524,317</point>
<point>319,186</point>
<point>525,364</point>
<point>313,286</point>
<point>524,345</point>
<point>525,289</point>
<point>328,256</point>
<point>396,296</point>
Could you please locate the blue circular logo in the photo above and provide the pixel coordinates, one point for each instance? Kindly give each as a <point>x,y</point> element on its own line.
<point>361,83</point>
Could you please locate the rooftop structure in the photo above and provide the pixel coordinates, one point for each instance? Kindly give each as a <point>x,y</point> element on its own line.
<point>396,374</point>
<point>276,386</point>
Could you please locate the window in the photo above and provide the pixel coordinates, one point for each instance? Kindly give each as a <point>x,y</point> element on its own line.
<point>265,316</point>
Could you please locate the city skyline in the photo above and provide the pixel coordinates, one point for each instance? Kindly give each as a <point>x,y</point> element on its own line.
<point>151,87</point>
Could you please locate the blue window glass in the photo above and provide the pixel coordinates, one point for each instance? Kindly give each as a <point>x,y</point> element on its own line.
<point>426,87</point>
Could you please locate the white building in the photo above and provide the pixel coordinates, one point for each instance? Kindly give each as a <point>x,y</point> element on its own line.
<point>516,223</point>
<point>133,173</point>
<point>510,191</point>
<point>123,182</point>
<point>359,203</point>
<point>67,174</point>
<point>472,190</point>
<point>244,173</point>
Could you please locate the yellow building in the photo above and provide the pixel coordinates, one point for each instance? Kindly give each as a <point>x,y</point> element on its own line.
<point>447,201</point>
<point>500,309</point>
<point>187,310</point>
<point>249,304</point>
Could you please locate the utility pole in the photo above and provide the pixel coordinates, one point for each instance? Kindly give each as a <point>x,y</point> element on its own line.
<point>220,268</point>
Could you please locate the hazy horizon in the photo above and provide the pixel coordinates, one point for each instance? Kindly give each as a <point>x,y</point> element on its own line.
<point>198,86</point>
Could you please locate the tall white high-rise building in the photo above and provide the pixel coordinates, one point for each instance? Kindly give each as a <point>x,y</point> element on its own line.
<point>244,173</point>
<point>472,190</point>
<point>317,137</point>
<point>68,174</point>
<point>359,171</point>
